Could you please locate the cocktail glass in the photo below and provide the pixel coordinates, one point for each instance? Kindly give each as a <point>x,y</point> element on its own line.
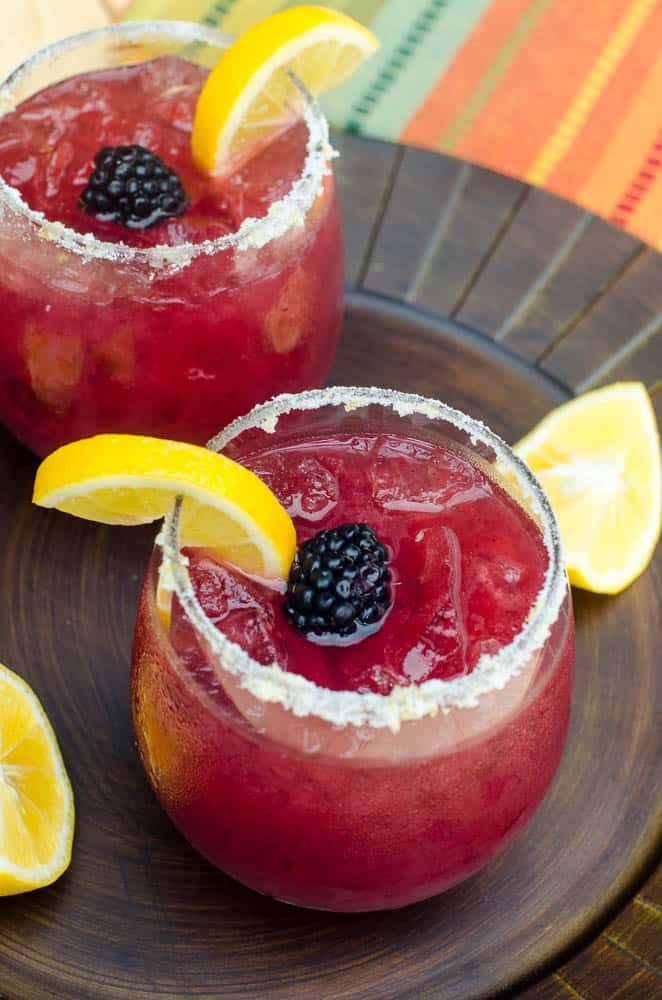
<point>172,341</point>
<point>343,800</point>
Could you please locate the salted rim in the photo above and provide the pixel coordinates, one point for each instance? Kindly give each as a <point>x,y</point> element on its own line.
<point>282,215</point>
<point>303,697</point>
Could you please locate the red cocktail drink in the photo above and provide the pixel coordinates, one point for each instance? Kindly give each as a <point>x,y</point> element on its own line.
<point>377,769</point>
<point>171,330</point>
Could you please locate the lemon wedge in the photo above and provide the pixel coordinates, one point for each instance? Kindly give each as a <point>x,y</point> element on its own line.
<point>36,801</point>
<point>598,458</point>
<point>250,95</point>
<point>129,479</point>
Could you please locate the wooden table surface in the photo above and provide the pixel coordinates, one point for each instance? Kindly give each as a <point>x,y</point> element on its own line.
<point>569,294</point>
<point>552,284</point>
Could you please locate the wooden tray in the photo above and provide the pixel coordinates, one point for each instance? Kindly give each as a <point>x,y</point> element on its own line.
<point>139,915</point>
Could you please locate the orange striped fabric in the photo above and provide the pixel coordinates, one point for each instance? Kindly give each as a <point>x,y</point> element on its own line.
<point>564,96</point>
<point>561,94</point>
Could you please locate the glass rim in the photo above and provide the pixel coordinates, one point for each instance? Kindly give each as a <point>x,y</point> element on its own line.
<point>286,213</point>
<point>303,697</point>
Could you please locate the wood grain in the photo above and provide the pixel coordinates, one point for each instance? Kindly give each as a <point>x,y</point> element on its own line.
<point>552,283</point>
<point>602,972</point>
<point>636,930</point>
<point>625,319</point>
<point>482,212</point>
<point>442,218</point>
<point>139,915</point>
<point>423,192</point>
<point>539,237</point>
<point>364,174</point>
<point>553,988</point>
<point>591,266</point>
<point>652,891</point>
<point>640,360</point>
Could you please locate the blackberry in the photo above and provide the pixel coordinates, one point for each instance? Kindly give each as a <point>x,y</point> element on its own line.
<point>339,583</point>
<point>132,185</point>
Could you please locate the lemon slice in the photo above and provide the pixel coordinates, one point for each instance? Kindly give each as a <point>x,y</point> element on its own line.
<point>36,801</point>
<point>598,458</point>
<point>129,479</point>
<point>250,95</point>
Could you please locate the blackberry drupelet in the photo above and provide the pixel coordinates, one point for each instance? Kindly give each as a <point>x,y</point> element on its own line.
<point>339,583</point>
<point>132,185</point>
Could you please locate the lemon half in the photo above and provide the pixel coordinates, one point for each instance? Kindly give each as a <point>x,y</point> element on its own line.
<point>36,800</point>
<point>598,458</point>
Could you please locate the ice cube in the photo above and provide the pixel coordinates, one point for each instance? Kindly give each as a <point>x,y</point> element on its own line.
<point>380,677</point>
<point>255,632</point>
<point>441,646</point>
<point>21,172</point>
<point>57,168</point>
<point>498,596</point>
<point>169,86</point>
<point>238,609</point>
<point>499,580</point>
<point>413,476</point>
<point>309,491</point>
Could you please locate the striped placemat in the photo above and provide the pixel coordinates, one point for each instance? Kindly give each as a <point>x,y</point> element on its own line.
<point>561,94</point>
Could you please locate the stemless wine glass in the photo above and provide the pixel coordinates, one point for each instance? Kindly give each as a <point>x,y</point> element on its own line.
<point>170,341</point>
<point>343,800</point>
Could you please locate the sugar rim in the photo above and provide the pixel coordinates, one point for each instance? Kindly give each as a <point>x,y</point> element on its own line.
<point>282,216</point>
<point>303,697</point>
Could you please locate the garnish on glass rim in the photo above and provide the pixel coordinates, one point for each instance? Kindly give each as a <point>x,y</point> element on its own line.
<point>251,92</point>
<point>129,479</point>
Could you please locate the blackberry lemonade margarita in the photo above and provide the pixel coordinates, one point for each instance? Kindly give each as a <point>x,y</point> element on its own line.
<point>112,322</point>
<point>380,731</point>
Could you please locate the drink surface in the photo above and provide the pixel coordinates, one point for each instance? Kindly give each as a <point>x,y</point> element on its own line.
<point>466,562</point>
<point>48,145</point>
